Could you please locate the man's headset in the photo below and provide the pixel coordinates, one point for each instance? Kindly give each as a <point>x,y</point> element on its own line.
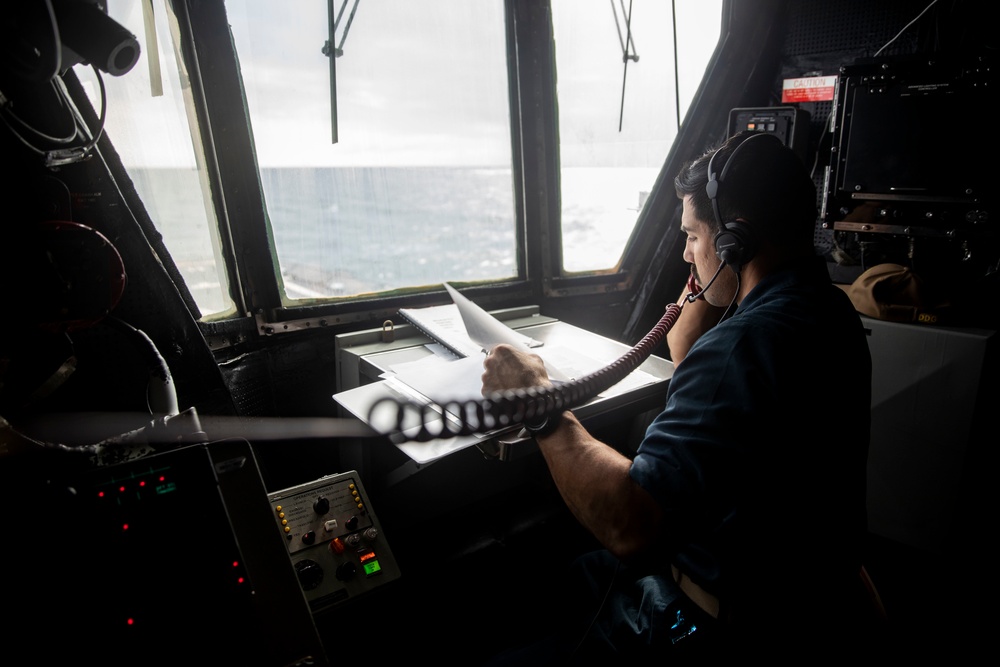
<point>736,243</point>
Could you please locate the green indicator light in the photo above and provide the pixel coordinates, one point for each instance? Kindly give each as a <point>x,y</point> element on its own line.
<point>166,488</point>
<point>372,568</point>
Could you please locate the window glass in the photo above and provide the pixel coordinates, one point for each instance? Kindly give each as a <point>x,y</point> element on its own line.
<point>418,188</point>
<point>618,116</point>
<point>149,123</point>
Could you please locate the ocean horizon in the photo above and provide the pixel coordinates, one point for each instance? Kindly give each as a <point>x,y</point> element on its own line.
<point>339,232</point>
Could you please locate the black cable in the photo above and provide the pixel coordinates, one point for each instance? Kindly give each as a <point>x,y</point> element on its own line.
<point>8,105</point>
<point>625,58</point>
<point>731,303</point>
<point>60,156</point>
<point>161,394</point>
<point>79,153</point>
<point>677,82</point>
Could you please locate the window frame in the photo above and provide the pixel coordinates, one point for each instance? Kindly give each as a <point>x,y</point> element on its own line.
<point>251,264</point>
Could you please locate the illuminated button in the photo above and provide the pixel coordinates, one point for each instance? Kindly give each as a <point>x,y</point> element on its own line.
<point>361,506</point>
<point>284,522</point>
<point>281,515</point>
<point>330,525</point>
<point>336,546</point>
<point>277,508</point>
<point>308,537</point>
<point>288,529</point>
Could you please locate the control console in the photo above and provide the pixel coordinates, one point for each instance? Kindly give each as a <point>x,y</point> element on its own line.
<point>334,539</point>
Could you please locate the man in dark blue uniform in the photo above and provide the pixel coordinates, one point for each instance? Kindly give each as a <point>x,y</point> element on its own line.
<point>739,523</point>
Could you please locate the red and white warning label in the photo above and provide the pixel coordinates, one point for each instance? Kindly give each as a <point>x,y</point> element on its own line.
<point>809,89</point>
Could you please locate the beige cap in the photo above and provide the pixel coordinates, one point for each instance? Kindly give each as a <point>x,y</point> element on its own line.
<point>895,293</point>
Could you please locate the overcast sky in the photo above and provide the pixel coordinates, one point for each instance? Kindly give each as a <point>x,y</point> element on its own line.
<point>394,74</point>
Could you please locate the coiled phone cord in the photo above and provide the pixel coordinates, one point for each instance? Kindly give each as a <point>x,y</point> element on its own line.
<point>512,407</point>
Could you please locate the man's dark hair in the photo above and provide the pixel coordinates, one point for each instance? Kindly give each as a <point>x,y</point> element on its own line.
<point>767,185</point>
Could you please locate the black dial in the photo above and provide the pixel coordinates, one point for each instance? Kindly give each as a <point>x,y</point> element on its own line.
<point>310,574</point>
<point>322,505</point>
<point>347,571</point>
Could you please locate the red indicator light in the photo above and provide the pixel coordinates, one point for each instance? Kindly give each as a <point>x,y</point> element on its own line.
<point>142,483</point>
<point>100,494</point>
<point>121,489</point>
<point>162,478</point>
<point>236,563</point>
<point>240,580</point>
<point>124,526</point>
<point>130,621</point>
<point>366,557</point>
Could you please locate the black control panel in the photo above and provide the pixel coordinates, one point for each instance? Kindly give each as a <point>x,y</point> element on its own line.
<point>334,539</point>
<point>150,562</point>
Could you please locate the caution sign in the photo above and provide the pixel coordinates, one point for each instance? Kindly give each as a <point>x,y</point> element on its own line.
<point>809,89</point>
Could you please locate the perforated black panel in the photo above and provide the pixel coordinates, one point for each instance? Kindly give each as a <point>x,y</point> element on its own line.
<point>840,26</point>
<point>824,36</point>
<point>251,396</point>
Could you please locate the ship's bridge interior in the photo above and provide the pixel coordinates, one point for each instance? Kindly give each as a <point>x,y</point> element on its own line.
<point>227,229</point>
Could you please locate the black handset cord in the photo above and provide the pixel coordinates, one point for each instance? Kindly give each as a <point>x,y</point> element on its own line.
<point>509,408</point>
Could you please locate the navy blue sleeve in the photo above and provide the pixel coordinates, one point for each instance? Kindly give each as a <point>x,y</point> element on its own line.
<point>694,451</point>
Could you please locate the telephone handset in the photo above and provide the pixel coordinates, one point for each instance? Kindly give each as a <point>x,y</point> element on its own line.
<point>696,291</point>
<point>509,408</point>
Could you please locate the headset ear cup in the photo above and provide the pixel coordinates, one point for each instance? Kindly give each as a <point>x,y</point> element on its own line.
<point>735,244</point>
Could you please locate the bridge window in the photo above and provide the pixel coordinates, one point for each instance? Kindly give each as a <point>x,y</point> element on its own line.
<point>400,168</point>
<point>160,145</point>
<point>619,110</point>
<point>418,187</point>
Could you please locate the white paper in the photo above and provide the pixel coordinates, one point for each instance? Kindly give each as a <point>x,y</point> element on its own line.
<point>443,324</point>
<point>485,329</point>
<point>459,380</point>
<point>360,401</point>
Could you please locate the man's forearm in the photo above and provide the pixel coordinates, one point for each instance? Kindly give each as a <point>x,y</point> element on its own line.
<point>695,319</point>
<point>594,481</point>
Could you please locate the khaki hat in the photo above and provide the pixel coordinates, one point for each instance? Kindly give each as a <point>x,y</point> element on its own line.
<point>895,293</point>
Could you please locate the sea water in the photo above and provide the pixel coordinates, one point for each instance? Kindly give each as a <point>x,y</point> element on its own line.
<point>339,232</point>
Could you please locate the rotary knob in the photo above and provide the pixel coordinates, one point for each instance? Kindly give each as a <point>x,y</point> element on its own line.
<point>310,574</point>
<point>347,571</point>
<point>322,505</point>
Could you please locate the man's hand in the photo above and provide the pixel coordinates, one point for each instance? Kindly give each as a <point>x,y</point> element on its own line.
<point>507,367</point>
<point>695,319</point>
